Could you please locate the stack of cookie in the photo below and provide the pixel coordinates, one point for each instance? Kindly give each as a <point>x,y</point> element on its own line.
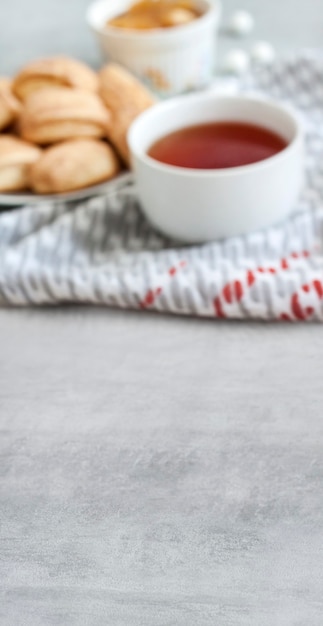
<point>63,127</point>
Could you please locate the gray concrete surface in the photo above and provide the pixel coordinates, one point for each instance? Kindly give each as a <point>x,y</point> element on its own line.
<point>157,471</point>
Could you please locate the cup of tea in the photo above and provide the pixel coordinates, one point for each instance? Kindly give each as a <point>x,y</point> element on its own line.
<point>208,166</point>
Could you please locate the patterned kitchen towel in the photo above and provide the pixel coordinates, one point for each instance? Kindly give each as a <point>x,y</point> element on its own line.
<point>103,251</point>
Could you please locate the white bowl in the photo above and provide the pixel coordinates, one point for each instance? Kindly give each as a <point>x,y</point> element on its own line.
<point>168,60</point>
<point>196,205</point>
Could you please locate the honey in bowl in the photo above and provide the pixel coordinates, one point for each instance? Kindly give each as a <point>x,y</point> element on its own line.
<point>151,14</point>
<point>217,145</point>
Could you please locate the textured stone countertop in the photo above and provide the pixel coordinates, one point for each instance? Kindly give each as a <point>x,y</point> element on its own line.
<point>157,471</point>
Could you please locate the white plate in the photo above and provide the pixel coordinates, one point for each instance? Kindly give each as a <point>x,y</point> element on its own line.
<point>112,186</point>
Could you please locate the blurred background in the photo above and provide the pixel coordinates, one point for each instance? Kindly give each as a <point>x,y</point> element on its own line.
<point>43,27</point>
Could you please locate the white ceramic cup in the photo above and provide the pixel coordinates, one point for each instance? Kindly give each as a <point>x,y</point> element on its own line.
<point>168,60</point>
<point>195,205</point>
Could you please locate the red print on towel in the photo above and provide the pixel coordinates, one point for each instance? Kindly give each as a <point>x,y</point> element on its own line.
<point>302,310</point>
<point>234,291</point>
<point>301,305</point>
<point>151,295</point>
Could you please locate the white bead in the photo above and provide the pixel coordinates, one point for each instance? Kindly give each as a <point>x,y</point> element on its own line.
<point>263,52</point>
<point>241,23</point>
<point>236,62</point>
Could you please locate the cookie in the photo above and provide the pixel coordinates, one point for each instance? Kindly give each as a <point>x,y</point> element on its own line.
<point>9,105</point>
<point>126,98</point>
<point>73,165</point>
<point>15,158</point>
<point>58,114</point>
<point>53,72</point>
